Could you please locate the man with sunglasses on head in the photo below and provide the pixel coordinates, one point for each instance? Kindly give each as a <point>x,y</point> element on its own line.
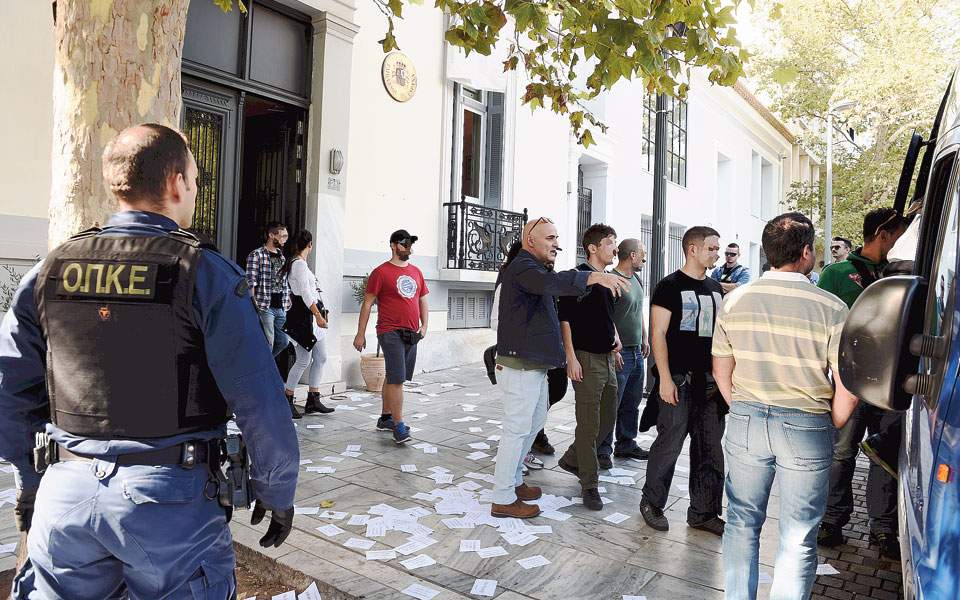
<point>529,345</point>
<point>847,280</point>
<point>731,274</point>
<point>400,292</point>
<point>840,248</point>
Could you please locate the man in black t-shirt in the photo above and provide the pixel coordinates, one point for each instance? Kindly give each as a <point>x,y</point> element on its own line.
<point>590,342</point>
<point>683,309</point>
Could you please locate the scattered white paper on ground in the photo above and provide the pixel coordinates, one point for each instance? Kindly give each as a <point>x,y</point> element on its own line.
<point>626,597</point>
<point>471,394</point>
<point>358,520</point>
<point>381,554</point>
<point>443,478</point>
<point>554,515</point>
<point>484,587</point>
<point>330,530</point>
<point>305,461</point>
<point>491,552</point>
<point>408,468</point>
<point>316,426</point>
<point>469,545</point>
<point>532,562</point>
<point>479,446</point>
<point>421,560</point>
<point>420,592</point>
<point>827,569</point>
<point>377,529</point>
<point>538,529</point>
<point>359,544</point>
<point>306,510</point>
<point>476,430</point>
<point>333,514</point>
<point>477,455</point>
<point>325,470</point>
<point>616,518</point>
<point>494,422</point>
<point>519,538</point>
<point>430,450</point>
<point>618,472</point>
<point>311,593</point>
<point>351,454</point>
<point>291,595</point>
<point>332,459</point>
<point>353,448</point>
<point>606,500</point>
<point>493,438</point>
<point>8,548</point>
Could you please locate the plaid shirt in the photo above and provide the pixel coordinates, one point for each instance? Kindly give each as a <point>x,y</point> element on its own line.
<point>264,281</point>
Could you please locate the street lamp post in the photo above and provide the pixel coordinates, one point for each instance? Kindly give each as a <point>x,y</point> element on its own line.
<point>828,224</point>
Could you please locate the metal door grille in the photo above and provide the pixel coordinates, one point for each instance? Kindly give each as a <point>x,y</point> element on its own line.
<point>584,213</point>
<point>271,179</point>
<point>205,132</point>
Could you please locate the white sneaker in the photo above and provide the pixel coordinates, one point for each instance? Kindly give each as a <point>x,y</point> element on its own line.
<point>532,462</point>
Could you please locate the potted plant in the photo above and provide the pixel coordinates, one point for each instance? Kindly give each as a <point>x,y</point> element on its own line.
<point>373,368</point>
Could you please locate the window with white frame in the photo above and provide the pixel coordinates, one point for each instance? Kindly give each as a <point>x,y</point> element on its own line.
<point>468,309</point>
<point>676,167</point>
<point>477,172</point>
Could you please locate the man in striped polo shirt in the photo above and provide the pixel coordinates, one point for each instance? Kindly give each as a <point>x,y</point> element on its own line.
<point>774,351</point>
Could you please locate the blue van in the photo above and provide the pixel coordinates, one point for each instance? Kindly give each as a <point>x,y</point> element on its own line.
<point>900,350</point>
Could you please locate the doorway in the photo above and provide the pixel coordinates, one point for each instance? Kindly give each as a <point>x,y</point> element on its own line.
<point>271,173</point>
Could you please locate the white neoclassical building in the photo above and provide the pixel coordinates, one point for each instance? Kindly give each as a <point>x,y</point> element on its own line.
<point>292,117</point>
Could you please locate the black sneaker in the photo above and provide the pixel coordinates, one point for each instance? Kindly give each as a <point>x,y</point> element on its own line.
<point>490,361</point>
<point>714,526</point>
<point>653,516</point>
<point>637,453</point>
<point>592,500</point>
<point>385,424</point>
<point>888,543</point>
<point>869,447</point>
<point>830,536</point>
<point>568,467</point>
<point>603,460</point>
<point>541,445</point>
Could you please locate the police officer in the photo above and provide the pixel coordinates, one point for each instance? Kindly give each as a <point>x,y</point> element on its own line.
<point>131,346</point>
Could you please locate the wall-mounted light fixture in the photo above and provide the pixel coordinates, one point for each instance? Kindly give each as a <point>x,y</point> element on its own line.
<point>336,162</point>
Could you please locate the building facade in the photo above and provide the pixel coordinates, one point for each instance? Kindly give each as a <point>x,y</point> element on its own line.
<point>291,112</point>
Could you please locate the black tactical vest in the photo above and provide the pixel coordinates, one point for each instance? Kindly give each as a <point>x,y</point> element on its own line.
<point>125,358</point>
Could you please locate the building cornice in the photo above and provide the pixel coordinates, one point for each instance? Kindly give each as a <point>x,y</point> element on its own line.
<point>764,112</point>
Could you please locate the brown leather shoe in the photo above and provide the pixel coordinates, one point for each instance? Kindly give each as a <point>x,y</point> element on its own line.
<point>517,510</point>
<point>528,492</point>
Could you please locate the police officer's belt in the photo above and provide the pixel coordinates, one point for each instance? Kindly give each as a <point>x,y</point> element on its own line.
<point>187,454</point>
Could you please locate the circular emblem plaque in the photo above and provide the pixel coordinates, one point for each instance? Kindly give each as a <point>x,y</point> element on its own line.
<point>399,76</point>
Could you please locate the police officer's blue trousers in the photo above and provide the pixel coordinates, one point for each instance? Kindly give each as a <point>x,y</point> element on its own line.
<point>140,532</point>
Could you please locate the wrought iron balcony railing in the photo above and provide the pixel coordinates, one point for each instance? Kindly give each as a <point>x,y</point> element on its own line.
<point>479,237</point>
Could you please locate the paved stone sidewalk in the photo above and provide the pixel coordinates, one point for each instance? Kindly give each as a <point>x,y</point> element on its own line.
<point>590,558</point>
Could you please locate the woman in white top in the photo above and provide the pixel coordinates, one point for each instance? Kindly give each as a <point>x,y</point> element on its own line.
<point>306,325</point>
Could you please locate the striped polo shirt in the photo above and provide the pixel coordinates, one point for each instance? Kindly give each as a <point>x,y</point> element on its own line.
<point>784,334</point>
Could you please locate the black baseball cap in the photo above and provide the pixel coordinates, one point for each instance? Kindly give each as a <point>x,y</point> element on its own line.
<point>402,235</point>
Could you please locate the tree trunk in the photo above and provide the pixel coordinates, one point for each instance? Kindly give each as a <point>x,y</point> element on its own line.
<point>117,64</point>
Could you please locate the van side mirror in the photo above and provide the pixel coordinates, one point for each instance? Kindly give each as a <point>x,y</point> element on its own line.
<point>875,354</point>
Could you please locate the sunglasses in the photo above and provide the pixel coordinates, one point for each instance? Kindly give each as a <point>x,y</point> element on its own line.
<point>835,247</point>
<point>731,254</point>
<point>540,220</point>
<point>406,243</point>
<point>892,217</point>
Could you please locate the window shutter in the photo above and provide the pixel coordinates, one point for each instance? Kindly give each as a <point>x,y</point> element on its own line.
<point>493,177</point>
<point>468,309</point>
<point>455,313</point>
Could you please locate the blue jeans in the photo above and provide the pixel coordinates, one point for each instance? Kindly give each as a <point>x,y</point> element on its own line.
<point>797,447</point>
<point>99,528</point>
<point>629,396</point>
<point>272,321</point>
<point>525,404</point>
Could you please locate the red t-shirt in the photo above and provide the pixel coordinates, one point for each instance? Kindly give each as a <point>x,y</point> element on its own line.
<point>398,291</point>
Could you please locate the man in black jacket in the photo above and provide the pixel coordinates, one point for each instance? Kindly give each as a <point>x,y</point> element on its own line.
<point>528,345</point>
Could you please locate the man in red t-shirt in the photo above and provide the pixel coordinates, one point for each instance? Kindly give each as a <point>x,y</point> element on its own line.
<point>400,292</point>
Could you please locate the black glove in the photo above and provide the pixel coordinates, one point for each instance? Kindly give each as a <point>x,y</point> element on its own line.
<point>281,524</point>
<point>23,511</point>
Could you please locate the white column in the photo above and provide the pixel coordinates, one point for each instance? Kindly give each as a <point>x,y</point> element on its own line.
<point>326,191</point>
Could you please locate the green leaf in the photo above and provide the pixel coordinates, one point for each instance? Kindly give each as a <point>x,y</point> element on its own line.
<point>785,74</point>
<point>586,139</point>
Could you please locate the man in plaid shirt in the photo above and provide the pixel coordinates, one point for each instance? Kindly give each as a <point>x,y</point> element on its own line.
<point>269,287</point>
